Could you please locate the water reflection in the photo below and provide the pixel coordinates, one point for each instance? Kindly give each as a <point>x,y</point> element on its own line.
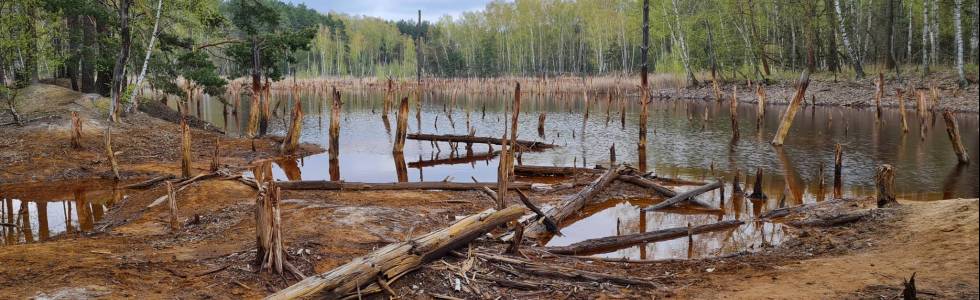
<point>33,213</point>
<point>685,139</point>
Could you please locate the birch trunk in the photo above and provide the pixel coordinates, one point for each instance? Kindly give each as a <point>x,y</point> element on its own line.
<point>958,6</point>
<point>680,38</point>
<point>146,58</point>
<point>851,53</point>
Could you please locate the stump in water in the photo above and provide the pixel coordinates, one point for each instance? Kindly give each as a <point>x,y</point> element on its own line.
<point>612,155</point>
<point>733,112</point>
<point>291,142</point>
<point>885,183</point>
<point>838,181</point>
<point>757,192</point>
<point>541,118</point>
<point>879,92</point>
<point>761,108</point>
<point>794,105</point>
<point>953,130</point>
<point>110,155</point>
<point>185,149</point>
<point>901,110</point>
<point>172,202</point>
<point>76,131</point>
<point>401,126</point>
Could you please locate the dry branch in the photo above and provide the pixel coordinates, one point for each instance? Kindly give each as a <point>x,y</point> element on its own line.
<point>685,196</point>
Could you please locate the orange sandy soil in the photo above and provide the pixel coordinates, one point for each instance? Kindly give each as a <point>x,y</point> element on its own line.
<point>134,254</point>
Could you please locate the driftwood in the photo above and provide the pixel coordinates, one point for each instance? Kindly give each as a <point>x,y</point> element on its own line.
<point>604,244</point>
<point>397,259</point>
<point>573,203</point>
<point>553,171</point>
<point>541,269</point>
<point>360,186</point>
<point>530,145</point>
<point>149,183</point>
<point>549,223</point>
<point>837,220</point>
<point>684,196</point>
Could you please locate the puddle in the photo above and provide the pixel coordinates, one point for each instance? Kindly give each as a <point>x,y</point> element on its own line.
<point>682,142</point>
<point>43,212</point>
<point>625,216</point>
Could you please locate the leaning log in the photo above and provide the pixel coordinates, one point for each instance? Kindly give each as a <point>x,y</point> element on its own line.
<point>794,105</point>
<point>388,186</point>
<point>684,196</point>
<point>530,145</point>
<point>573,203</point>
<point>397,259</point>
<point>953,130</point>
<point>662,190</point>
<point>526,170</point>
<point>605,244</point>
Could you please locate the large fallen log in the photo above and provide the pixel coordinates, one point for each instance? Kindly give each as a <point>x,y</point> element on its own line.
<point>530,145</point>
<point>685,196</point>
<point>389,186</point>
<point>599,245</point>
<point>836,220</point>
<point>150,182</point>
<point>395,260</point>
<point>573,203</point>
<point>525,170</point>
<point>541,269</point>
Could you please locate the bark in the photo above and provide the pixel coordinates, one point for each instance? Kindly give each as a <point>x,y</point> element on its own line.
<point>605,244</point>
<point>395,260</point>
<point>852,55</point>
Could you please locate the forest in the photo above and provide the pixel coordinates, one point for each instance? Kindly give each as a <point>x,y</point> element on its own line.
<point>489,149</point>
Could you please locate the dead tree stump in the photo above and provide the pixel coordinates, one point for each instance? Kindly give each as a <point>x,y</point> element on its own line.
<point>76,131</point>
<point>215,165</point>
<point>757,192</point>
<point>172,202</point>
<point>185,149</point>
<point>953,130</point>
<point>885,183</point>
<point>838,161</point>
<point>270,253</point>
<point>111,155</point>
<point>291,142</point>
<point>401,127</point>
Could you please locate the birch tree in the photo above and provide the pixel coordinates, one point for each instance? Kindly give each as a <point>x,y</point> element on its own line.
<point>851,51</point>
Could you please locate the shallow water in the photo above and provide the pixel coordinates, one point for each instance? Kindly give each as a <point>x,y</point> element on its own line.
<point>686,139</point>
<point>43,213</point>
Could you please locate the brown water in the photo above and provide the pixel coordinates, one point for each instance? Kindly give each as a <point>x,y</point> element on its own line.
<point>45,212</point>
<point>687,139</point>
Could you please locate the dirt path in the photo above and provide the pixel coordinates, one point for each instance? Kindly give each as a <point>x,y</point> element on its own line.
<point>936,240</point>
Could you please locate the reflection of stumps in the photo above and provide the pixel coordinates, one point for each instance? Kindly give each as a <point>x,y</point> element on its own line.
<point>757,192</point>
<point>401,126</point>
<point>885,182</point>
<point>736,182</point>
<point>291,142</point>
<point>172,202</point>
<point>838,181</point>
<point>901,110</point>
<point>185,149</point>
<point>794,105</point>
<point>110,155</point>
<point>761,106</point>
<point>953,130</point>
<point>76,131</point>
<point>612,155</point>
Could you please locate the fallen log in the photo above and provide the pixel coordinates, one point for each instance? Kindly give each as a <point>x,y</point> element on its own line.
<point>599,245</point>
<point>662,190</point>
<point>397,259</point>
<point>573,203</point>
<point>553,171</point>
<point>563,272</point>
<point>530,145</point>
<point>390,186</point>
<point>684,196</point>
<point>180,186</point>
<point>840,219</point>
<point>149,183</point>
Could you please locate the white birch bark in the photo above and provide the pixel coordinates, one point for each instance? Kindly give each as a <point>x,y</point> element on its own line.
<point>146,59</point>
<point>680,39</point>
<point>958,7</point>
<point>851,54</point>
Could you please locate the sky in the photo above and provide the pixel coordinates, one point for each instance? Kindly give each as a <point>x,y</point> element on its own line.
<point>432,10</point>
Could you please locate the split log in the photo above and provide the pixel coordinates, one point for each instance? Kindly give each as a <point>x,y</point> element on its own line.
<point>794,105</point>
<point>530,145</point>
<point>360,186</point>
<point>885,184</point>
<point>953,131</point>
<point>605,244</point>
<point>685,196</point>
<point>573,203</point>
<point>541,269</point>
<point>185,149</point>
<point>395,260</point>
<point>149,183</point>
<point>526,170</point>
<point>76,131</point>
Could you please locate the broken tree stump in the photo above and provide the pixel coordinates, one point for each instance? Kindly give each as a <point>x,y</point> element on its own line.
<point>401,127</point>
<point>172,202</point>
<point>185,149</point>
<point>604,244</point>
<point>953,131</point>
<point>757,192</point>
<point>794,105</point>
<point>838,161</point>
<point>901,110</point>
<point>111,155</point>
<point>395,260</point>
<point>291,142</point>
<point>215,165</point>
<point>885,184</point>
<point>76,131</point>
<point>573,203</point>
<point>268,230</point>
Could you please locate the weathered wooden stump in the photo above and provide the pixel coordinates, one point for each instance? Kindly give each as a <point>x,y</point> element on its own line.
<point>885,183</point>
